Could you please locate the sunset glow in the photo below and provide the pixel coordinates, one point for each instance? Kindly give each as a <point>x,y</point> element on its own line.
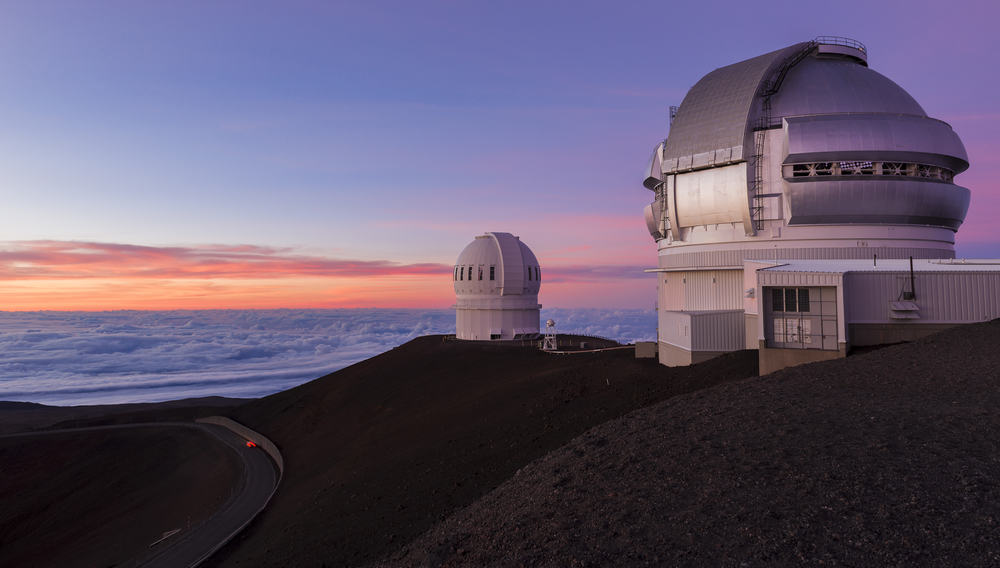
<point>56,275</point>
<point>340,155</point>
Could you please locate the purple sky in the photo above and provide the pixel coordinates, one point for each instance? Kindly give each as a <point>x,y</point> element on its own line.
<point>396,131</point>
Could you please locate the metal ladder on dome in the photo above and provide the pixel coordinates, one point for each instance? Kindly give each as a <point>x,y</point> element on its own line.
<point>771,86</point>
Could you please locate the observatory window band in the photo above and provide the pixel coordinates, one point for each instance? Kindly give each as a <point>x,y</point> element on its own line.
<point>480,272</point>
<point>493,270</point>
<point>868,168</point>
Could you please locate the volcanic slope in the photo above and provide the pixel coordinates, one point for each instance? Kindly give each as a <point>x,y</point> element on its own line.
<point>377,453</point>
<point>885,458</point>
<point>101,497</point>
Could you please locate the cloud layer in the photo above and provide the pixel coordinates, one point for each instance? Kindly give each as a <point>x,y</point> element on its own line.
<point>71,259</point>
<point>70,358</point>
<point>69,275</point>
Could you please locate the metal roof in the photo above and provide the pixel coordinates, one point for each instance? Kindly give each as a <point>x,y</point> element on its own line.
<point>509,255</point>
<point>715,111</point>
<point>818,85</point>
<point>715,121</point>
<point>886,265</point>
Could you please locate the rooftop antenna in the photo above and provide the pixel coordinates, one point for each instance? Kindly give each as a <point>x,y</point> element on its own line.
<point>549,343</point>
<point>913,283</point>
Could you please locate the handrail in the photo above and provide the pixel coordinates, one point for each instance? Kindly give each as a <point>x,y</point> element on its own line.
<point>844,41</point>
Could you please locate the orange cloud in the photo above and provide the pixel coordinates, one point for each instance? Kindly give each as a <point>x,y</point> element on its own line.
<point>62,275</point>
<point>74,260</point>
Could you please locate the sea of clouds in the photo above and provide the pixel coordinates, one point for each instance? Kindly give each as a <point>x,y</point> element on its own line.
<point>72,358</point>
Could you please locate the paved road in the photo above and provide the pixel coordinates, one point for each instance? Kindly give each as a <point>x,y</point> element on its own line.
<point>254,488</point>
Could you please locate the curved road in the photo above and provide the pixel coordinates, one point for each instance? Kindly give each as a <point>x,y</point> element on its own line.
<point>257,482</point>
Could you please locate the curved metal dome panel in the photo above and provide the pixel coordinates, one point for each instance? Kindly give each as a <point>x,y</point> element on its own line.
<point>879,201</point>
<point>511,259</point>
<point>874,136</point>
<point>714,113</point>
<point>820,85</point>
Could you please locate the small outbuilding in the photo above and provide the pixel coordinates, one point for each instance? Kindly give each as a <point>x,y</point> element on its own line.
<point>811,310</point>
<point>497,279</point>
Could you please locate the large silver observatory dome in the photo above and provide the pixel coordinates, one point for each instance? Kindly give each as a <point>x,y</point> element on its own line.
<point>851,146</point>
<point>497,279</point>
<point>804,153</point>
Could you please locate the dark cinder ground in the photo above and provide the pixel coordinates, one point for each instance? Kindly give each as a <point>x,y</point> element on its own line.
<point>99,498</point>
<point>443,453</point>
<point>886,458</point>
<point>377,453</point>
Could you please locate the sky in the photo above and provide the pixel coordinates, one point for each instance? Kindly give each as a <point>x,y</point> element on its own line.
<point>195,155</point>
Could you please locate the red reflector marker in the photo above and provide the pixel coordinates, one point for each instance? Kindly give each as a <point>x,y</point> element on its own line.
<point>250,444</point>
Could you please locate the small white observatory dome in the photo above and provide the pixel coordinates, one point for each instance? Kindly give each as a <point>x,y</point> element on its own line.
<point>496,279</point>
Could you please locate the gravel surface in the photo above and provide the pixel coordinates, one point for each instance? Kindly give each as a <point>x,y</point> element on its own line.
<point>101,497</point>
<point>885,458</point>
<point>379,452</point>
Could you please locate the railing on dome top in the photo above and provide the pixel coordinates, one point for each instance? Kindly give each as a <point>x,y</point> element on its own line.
<point>844,41</point>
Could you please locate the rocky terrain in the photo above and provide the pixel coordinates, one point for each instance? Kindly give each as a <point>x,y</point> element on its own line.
<point>100,498</point>
<point>444,453</point>
<point>891,457</point>
<point>379,452</point>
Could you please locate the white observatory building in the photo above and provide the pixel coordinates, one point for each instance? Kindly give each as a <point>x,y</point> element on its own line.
<point>788,199</point>
<point>497,278</point>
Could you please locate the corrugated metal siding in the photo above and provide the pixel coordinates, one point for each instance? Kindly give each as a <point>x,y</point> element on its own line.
<point>703,331</point>
<point>702,290</point>
<point>715,111</point>
<point>943,297</point>
<point>717,331</point>
<point>776,278</point>
<point>670,259</point>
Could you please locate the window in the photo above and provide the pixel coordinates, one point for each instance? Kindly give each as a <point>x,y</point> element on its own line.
<point>790,300</point>
<point>856,168</point>
<point>790,303</point>
<point>529,273</point>
<point>893,169</point>
<point>824,168</point>
<point>480,272</point>
<point>777,300</point>
<point>461,275</point>
<point>493,272</point>
<point>802,170</point>
<point>456,272</point>
<point>868,168</point>
<point>803,299</point>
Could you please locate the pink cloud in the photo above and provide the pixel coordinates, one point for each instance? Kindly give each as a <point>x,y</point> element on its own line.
<point>41,260</point>
<point>78,260</point>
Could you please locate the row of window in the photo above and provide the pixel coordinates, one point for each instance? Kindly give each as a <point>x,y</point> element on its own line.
<point>789,299</point>
<point>470,272</point>
<point>863,168</point>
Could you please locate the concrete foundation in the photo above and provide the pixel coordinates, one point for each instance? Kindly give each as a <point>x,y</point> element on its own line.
<point>673,356</point>
<point>750,330</point>
<point>645,350</point>
<point>772,359</point>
